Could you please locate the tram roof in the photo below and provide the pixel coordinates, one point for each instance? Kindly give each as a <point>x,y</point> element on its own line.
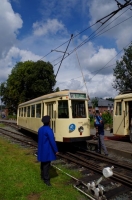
<point>124,96</point>
<point>52,95</point>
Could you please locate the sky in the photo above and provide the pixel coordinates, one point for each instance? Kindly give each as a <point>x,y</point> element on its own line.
<point>41,30</point>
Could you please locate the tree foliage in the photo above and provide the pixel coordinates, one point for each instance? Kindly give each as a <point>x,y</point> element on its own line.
<point>107,117</point>
<point>94,102</point>
<point>123,72</point>
<point>27,80</point>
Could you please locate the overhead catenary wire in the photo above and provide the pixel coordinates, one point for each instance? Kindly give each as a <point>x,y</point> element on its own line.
<point>102,23</point>
<point>91,38</point>
<point>68,40</point>
<point>109,61</point>
<point>104,67</point>
<point>128,2</point>
<point>84,42</point>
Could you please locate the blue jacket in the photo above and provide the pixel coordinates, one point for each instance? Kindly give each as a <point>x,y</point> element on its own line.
<point>98,118</point>
<point>101,128</point>
<point>47,147</point>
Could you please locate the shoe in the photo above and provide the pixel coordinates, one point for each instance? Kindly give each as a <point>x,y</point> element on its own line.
<point>48,184</point>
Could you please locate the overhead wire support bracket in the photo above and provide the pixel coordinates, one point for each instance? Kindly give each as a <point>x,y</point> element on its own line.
<point>59,51</point>
<point>120,7</point>
<point>64,55</point>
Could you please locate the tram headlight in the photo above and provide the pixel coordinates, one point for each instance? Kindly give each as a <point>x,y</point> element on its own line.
<point>81,129</point>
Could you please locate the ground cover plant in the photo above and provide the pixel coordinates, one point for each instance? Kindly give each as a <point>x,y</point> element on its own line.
<point>20,177</point>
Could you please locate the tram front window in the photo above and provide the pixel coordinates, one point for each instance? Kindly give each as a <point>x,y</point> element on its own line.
<point>63,109</point>
<point>78,109</point>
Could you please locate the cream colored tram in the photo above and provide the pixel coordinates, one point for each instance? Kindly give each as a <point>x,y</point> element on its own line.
<point>122,116</point>
<point>68,111</point>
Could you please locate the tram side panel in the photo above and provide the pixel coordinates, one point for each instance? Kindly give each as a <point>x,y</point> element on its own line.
<point>31,124</point>
<point>80,131</point>
<point>122,116</point>
<point>118,118</point>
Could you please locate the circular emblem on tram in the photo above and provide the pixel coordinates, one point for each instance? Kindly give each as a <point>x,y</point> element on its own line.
<point>72,127</point>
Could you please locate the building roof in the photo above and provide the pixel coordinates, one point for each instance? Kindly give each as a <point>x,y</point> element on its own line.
<point>102,103</point>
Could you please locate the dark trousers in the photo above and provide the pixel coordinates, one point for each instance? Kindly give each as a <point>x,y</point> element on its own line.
<point>45,166</point>
<point>101,144</point>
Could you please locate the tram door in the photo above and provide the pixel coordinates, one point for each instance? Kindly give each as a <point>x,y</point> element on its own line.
<point>130,119</point>
<point>126,117</point>
<point>51,113</point>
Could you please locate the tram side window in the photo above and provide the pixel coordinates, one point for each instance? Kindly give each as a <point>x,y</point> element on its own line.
<point>21,112</point>
<point>63,109</point>
<point>33,111</point>
<point>38,110</point>
<point>118,110</point>
<point>28,111</point>
<point>78,109</point>
<point>24,111</point>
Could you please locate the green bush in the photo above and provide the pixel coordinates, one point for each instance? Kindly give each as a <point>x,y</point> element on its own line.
<point>107,117</point>
<point>11,117</point>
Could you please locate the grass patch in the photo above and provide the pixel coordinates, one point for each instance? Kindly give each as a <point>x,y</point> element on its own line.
<point>20,177</point>
<point>2,125</point>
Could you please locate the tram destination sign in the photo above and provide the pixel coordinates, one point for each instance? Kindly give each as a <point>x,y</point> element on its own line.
<point>78,95</point>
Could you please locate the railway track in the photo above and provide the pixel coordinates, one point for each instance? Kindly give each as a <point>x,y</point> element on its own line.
<point>19,138</point>
<point>119,184</point>
<point>90,164</point>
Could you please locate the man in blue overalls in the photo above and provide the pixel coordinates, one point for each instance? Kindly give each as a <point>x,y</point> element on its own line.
<point>99,124</point>
<point>47,149</point>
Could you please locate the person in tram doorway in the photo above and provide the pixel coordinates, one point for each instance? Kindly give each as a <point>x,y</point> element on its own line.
<point>47,149</point>
<point>101,143</point>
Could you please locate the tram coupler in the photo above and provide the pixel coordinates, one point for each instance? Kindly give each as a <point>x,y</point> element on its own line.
<point>96,188</point>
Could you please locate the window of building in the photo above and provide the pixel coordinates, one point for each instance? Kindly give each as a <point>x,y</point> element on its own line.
<point>63,111</point>
<point>32,110</point>
<point>38,110</point>
<point>118,110</point>
<point>28,111</point>
<point>78,109</point>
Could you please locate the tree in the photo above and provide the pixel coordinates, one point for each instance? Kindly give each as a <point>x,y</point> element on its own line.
<point>57,89</point>
<point>123,72</point>
<point>94,102</point>
<point>27,80</point>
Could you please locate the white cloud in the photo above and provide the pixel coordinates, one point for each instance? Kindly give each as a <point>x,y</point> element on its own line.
<point>10,23</point>
<point>51,26</point>
<point>10,59</point>
<point>100,59</point>
<point>23,55</point>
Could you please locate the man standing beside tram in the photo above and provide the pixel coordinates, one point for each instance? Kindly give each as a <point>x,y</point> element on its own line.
<point>99,125</point>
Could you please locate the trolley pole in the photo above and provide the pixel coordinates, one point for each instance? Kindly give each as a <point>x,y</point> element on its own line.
<point>64,55</point>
